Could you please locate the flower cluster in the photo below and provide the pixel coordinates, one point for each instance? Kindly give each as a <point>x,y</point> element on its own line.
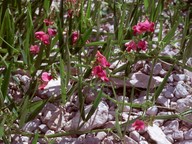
<point>143,27</point>
<point>138,125</point>
<point>98,70</point>
<point>43,37</point>
<point>132,45</point>
<point>140,28</point>
<point>45,78</point>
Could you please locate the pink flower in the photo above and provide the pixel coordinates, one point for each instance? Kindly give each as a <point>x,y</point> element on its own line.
<point>131,46</point>
<point>74,37</point>
<point>147,26</point>
<point>52,32</point>
<point>34,49</point>
<point>98,71</point>
<point>48,22</point>
<point>102,60</point>
<point>45,77</point>
<point>138,125</point>
<point>143,27</point>
<point>39,34</point>
<point>142,44</point>
<point>43,37</point>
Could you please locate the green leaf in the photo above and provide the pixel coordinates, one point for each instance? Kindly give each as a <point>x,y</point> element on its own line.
<point>146,4</point>
<point>95,105</point>
<point>117,125</point>
<point>4,87</point>
<point>35,139</point>
<point>81,98</point>
<point>63,81</point>
<point>34,108</point>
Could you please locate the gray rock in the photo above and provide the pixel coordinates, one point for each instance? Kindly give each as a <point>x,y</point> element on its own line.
<point>91,140</point>
<point>170,79</point>
<point>184,103</point>
<point>90,94</point>
<point>108,140</point>
<point>135,136</point>
<point>168,94</point>
<point>184,142</point>
<point>140,80</point>
<point>180,91</point>
<point>157,69</point>
<point>98,119</point>
<point>170,138</point>
<point>163,101</point>
<point>129,140</point>
<point>109,124</point>
<point>157,135</point>
<point>179,77</point>
<point>49,132</point>
<point>101,135</point>
<point>172,125</point>
<point>188,135</point>
<point>178,135</point>
<point>143,142</point>
<point>31,125</point>
<point>43,128</point>
<point>152,110</point>
<point>53,88</point>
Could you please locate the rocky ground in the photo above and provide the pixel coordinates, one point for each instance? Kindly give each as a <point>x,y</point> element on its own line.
<point>176,97</point>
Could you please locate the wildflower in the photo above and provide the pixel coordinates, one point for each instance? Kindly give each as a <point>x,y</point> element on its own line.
<point>52,32</point>
<point>45,77</point>
<point>138,125</point>
<point>98,71</point>
<point>131,46</point>
<point>39,34</point>
<point>48,22</point>
<point>74,37</point>
<point>147,26</point>
<point>142,44</point>
<point>34,49</point>
<point>143,27</point>
<point>45,39</point>
<point>42,36</point>
<point>102,60</point>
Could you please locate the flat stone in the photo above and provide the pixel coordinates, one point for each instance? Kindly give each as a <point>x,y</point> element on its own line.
<point>172,125</point>
<point>135,136</point>
<point>180,91</point>
<point>129,140</point>
<point>163,101</point>
<point>152,110</point>
<point>179,77</point>
<point>157,69</point>
<point>178,135</point>
<point>101,135</point>
<point>157,135</point>
<point>31,125</point>
<point>98,119</point>
<point>188,135</point>
<point>184,142</point>
<point>168,94</point>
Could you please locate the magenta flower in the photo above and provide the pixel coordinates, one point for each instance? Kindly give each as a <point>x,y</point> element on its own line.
<point>101,59</point>
<point>131,46</point>
<point>147,26</point>
<point>45,77</point>
<point>143,27</point>
<point>34,49</point>
<point>142,45</point>
<point>138,125</point>
<point>99,72</point>
<point>39,34</point>
<point>48,22</point>
<point>74,37</point>
<point>42,36</point>
<point>52,32</point>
